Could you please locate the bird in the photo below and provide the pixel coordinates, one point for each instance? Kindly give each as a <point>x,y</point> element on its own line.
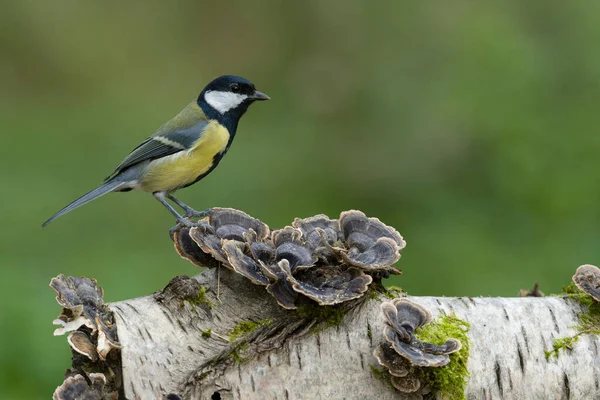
<point>182,151</point>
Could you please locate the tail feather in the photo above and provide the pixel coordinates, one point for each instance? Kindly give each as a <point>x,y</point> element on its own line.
<point>109,186</point>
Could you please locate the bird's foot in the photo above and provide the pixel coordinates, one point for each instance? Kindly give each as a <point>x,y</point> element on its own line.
<point>191,213</point>
<point>184,222</point>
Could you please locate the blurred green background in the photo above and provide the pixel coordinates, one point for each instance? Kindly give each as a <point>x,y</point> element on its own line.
<point>471,128</point>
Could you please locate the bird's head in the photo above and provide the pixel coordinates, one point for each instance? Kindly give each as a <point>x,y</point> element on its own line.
<point>229,96</point>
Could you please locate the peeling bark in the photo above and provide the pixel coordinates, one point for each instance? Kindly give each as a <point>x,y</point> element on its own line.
<point>295,356</point>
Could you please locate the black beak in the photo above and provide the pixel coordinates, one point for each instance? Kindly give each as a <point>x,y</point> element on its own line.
<point>259,96</point>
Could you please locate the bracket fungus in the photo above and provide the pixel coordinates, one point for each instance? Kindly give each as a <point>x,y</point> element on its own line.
<point>81,343</point>
<point>372,244</point>
<point>89,387</point>
<point>587,279</point>
<point>321,234</point>
<point>189,250</point>
<point>402,353</point>
<point>330,284</point>
<point>81,299</point>
<point>325,260</point>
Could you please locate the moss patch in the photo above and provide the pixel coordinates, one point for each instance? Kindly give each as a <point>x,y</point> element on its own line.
<point>561,343</point>
<point>244,328</point>
<point>238,352</point>
<point>449,381</point>
<point>393,292</point>
<point>201,298</point>
<point>380,373</point>
<point>328,316</point>
<point>207,333</point>
<point>589,320</point>
<point>572,292</point>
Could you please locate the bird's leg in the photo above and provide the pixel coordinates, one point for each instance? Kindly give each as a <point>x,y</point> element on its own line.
<point>160,196</point>
<point>189,211</point>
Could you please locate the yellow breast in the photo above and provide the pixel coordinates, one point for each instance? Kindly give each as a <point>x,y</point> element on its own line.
<point>177,170</point>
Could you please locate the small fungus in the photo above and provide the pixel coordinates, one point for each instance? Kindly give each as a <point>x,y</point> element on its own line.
<point>328,285</point>
<point>188,249</point>
<point>290,246</point>
<point>403,318</point>
<point>587,279</point>
<point>321,234</point>
<point>387,357</point>
<point>226,223</point>
<point>230,223</point>
<point>280,288</point>
<point>242,263</point>
<point>80,342</point>
<point>406,384</point>
<point>77,387</point>
<point>413,351</point>
<point>261,251</point>
<point>450,346</point>
<point>372,244</point>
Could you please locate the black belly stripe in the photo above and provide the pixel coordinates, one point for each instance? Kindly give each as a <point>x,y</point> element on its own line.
<point>216,159</point>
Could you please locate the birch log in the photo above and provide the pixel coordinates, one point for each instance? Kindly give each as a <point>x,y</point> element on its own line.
<point>164,351</point>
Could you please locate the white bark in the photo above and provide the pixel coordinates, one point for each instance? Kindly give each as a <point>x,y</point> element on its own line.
<point>165,352</point>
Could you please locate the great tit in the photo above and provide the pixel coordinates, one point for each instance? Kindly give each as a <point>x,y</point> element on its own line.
<point>182,151</point>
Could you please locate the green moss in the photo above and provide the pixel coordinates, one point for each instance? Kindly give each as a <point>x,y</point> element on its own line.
<point>589,320</point>
<point>449,381</point>
<point>328,316</point>
<point>244,328</point>
<point>207,333</point>
<point>373,293</point>
<point>561,343</point>
<point>572,292</point>
<point>201,298</point>
<point>393,292</point>
<point>380,373</point>
<point>238,352</point>
<point>241,330</point>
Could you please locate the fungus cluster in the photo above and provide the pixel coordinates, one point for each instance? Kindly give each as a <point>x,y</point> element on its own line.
<point>327,260</point>
<point>402,354</point>
<point>81,299</point>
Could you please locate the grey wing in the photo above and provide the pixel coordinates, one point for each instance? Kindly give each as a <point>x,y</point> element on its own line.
<point>162,145</point>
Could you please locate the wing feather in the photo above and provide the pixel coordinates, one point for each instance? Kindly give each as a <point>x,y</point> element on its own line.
<point>179,134</point>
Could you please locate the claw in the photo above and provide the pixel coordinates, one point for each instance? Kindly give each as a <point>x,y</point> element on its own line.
<point>184,222</point>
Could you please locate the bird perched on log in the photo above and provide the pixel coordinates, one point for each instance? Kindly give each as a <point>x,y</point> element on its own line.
<point>182,151</point>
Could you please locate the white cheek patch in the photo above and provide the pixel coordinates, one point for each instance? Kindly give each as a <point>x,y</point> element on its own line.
<point>224,101</point>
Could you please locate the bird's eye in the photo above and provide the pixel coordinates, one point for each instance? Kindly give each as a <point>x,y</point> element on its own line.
<point>235,88</point>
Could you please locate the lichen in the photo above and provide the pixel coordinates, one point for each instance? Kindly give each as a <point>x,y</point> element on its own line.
<point>201,298</point>
<point>449,381</point>
<point>328,316</point>
<point>242,329</point>
<point>207,333</point>
<point>589,320</point>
